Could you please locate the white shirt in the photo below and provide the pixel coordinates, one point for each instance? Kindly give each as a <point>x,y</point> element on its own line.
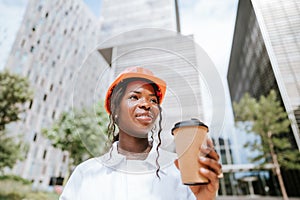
<point>113,177</point>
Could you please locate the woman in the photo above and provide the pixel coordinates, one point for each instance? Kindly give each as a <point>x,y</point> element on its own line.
<point>136,167</point>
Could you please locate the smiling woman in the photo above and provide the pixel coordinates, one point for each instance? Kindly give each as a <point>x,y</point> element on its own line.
<point>136,167</point>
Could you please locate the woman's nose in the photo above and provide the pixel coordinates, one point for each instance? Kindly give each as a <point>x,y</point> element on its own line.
<point>144,104</point>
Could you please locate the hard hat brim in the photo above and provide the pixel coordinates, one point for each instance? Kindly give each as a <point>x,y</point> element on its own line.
<point>161,84</point>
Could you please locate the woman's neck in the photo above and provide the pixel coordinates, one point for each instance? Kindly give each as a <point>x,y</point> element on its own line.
<point>133,144</point>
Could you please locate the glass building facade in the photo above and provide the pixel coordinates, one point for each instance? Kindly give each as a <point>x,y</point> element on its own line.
<point>265,55</point>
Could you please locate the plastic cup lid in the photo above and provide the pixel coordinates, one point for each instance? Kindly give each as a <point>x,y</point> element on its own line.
<point>191,122</point>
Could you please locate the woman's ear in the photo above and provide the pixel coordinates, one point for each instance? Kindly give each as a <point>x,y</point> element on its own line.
<point>116,114</point>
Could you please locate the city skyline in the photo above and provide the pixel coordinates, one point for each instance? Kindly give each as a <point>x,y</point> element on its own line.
<point>216,17</point>
<point>211,24</point>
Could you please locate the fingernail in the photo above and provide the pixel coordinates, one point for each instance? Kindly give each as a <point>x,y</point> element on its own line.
<point>202,158</point>
<point>203,170</point>
<point>220,175</point>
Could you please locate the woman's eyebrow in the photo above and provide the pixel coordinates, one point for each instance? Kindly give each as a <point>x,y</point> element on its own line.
<point>138,92</point>
<point>134,91</point>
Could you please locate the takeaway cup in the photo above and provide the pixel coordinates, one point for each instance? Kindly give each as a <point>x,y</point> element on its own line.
<point>189,136</point>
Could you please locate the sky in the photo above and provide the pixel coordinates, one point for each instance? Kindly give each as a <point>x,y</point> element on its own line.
<point>210,21</point>
<point>11,14</point>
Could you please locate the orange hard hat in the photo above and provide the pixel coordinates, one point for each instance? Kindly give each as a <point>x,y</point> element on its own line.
<point>135,72</point>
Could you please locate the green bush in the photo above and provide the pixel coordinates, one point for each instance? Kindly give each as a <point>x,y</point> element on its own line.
<point>15,178</point>
<point>17,188</point>
<point>11,196</point>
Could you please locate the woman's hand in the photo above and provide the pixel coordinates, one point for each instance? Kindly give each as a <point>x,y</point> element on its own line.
<point>211,169</point>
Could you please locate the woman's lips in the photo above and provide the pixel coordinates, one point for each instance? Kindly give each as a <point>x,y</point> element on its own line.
<point>144,117</point>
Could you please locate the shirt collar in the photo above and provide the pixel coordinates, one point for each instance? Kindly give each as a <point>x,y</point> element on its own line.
<point>116,161</point>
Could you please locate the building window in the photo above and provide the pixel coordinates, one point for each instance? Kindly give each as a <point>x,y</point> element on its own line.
<point>23,43</point>
<point>36,79</point>
<point>35,153</point>
<point>40,7</point>
<point>45,111</point>
<point>42,82</point>
<point>44,169</point>
<point>46,15</point>
<point>35,136</point>
<point>31,49</point>
<point>51,87</point>
<point>44,154</point>
<point>38,108</point>
<point>33,29</point>
<point>45,97</point>
<point>28,73</point>
<point>53,114</point>
<point>30,104</point>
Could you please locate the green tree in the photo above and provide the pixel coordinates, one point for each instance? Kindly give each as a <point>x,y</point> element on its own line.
<point>10,151</point>
<point>268,120</point>
<point>82,133</point>
<point>14,93</point>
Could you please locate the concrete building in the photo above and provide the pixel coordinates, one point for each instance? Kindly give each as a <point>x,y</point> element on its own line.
<point>266,55</point>
<point>123,16</point>
<point>147,33</point>
<point>52,42</point>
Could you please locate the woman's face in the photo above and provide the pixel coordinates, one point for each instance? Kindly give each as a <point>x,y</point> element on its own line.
<point>138,109</point>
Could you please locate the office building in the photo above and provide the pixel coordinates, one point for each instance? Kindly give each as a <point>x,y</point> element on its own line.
<point>50,47</point>
<point>122,16</point>
<point>266,55</point>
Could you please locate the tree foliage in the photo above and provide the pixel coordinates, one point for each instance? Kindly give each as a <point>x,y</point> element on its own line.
<point>267,116</point>
<point>14,93</point>
<point>9,151</point>
<point>82,133</point>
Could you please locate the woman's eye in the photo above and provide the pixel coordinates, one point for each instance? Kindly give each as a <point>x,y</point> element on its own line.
<point>154,101</point>
<point>133,97</point>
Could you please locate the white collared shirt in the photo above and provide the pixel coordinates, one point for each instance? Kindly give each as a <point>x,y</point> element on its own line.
<point>113,177</point>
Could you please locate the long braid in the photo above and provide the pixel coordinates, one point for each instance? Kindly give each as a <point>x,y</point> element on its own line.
<point>111,129</point>
<point>159,141</point>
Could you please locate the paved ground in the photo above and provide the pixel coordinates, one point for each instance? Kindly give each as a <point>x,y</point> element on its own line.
<point>252,198</point>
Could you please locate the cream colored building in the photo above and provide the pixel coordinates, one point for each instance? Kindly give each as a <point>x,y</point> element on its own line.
<point>51,45</point>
